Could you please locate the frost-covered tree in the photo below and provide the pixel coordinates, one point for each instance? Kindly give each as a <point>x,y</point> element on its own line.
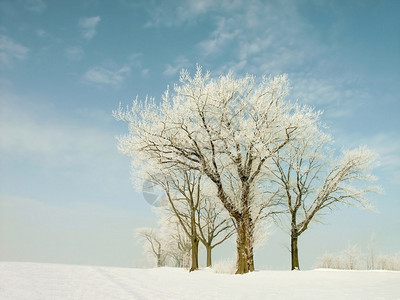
<point>327,261</point>
<point>189,202</point>
<point>179,246</point>
<point>154,244</point>
<point>348,259</point>
<point>351,257</point>
<point>214,226</point>
<point>182,199</point>
<point>370,256</point>
<point>227,129</point>
<point>389,262</point>
<point>311,181</point>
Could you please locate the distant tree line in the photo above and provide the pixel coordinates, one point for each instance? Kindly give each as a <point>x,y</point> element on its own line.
<point>352,258</point>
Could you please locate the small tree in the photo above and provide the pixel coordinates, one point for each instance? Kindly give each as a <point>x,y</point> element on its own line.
<point>370,257</point>
<point>214,226</point>
<point>351,257</point>
<point>179,246</point>
<point>311,181</point>
<point>182,193</point>
<point>327,261</point>
<point>389,262</point>
<point>187,209</point>
<point>154,244</point>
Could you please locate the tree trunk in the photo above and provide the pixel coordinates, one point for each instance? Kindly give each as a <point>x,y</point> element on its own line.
<point>294,251</point>
<point>195,254</point>
<point>158,261</point>
<point>245,259</point>
<point>208,255</point>
<point>194,240</point>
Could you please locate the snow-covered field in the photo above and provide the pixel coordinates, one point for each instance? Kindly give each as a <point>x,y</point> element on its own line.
<point>50,281</point>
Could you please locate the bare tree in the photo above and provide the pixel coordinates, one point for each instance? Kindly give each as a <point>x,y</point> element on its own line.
<point>225,128</point>
<point>311,181</point>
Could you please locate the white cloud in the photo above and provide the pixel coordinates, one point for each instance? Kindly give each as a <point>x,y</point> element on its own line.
<point>199,6</point>
<point>40,32</point>
<point>315,91</point>
<point>186,11</point>
<point>337,97</point>
<point>112,74</point>
<point>272,37</point>
<point>74,53</point>
<point>224,33</point>
<point>88,26</point>
<point>134,60</point>
<point>11,51</point>
<point>145,73</point>
<point>105,76</point>
<point>35,5</point>
<point>387,145</point>
<point>175,15</point>
<point>179,63</point>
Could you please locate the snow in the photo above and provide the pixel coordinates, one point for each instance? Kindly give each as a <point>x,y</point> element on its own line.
<point>51,281</point>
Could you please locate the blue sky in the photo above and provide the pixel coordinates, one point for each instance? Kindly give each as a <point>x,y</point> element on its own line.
<point>65,191</point>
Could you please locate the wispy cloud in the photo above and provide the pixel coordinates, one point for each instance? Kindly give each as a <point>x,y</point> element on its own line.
<point>161,14</point>
<point>258,36</point>
<point>187,11</point>
<point>273,37</point>
<point>269,36</point>
<point>11,51</point>
<point>179,63</point>
<point>315,91</point>
<point>41,32</point>
<point>104,76</point>
<point>266,37</point>
<point>37,6</point>
<point>387,145</point>
<point>145,73</point>
<point>224,33</point>
<point>336,96</point>
<point>112,74</point>
<point>74,53</point>
<point>134,60</point>
<point>88,26</point>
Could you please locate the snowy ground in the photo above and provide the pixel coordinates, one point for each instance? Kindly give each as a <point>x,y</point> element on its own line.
<point>49,281</point>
